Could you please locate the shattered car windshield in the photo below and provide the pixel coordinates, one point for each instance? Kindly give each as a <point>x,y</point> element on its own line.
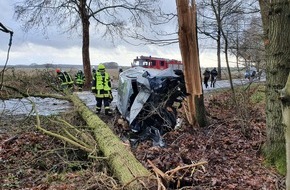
<point>149,99</point>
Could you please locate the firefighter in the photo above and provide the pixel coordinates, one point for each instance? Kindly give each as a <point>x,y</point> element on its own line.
<point>65,79</point>
<point>101,86</point>
<point>80,80</point>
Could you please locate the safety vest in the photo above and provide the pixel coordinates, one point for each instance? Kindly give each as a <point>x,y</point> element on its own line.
<point>79,78</point>
<point>68,78</point>
<point>102,85</point>
<point>65,78</point>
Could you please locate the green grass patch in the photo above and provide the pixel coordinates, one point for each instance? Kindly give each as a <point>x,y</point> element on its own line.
<point>258,97</point>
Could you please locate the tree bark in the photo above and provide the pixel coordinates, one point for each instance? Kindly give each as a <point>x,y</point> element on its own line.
<point>217,11</point>
<point>190,58</point>
<point>228,65</point>
<point>123,163</point>
<point>86,43</point>
<point>285,97</point>
<point>219,34</point>
<point>276,25</point>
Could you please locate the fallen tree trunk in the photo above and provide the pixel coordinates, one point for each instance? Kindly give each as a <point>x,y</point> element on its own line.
<point>123,163</point>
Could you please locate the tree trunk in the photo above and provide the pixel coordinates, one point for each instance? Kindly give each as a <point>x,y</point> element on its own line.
<point>219,67</point>
<point>190,58</point>
<point>217,12</point>
<point>275,17</point>
<point>122,162</point>
<point>225,37</point>
<point>86,44</point>
<point>285,97</point>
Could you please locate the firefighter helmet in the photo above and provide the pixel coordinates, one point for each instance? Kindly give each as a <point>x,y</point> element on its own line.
<point>101,67</point>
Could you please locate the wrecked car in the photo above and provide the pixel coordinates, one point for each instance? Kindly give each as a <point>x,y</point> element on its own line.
<point>148,99</point>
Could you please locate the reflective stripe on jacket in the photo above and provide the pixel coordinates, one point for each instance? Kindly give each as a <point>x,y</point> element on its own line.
<point>102,85</point>
<point>65,78</point>
<point>68,78</point>
<point>80,78</point>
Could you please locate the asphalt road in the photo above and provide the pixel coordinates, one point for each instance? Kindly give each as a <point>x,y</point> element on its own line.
<point>221,84</point>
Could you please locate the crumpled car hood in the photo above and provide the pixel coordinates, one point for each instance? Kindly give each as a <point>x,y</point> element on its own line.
<point>147,99</point>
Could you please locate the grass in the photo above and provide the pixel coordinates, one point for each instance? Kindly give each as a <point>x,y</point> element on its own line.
<point>258,97</point>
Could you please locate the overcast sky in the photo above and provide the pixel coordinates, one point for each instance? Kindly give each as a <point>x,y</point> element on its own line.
<point>56,48</point>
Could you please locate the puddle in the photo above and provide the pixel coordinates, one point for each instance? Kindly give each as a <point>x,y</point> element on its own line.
<point>89,99</point>
<point>46,106</point>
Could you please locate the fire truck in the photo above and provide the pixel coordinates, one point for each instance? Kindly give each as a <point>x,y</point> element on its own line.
<point>157,63</point>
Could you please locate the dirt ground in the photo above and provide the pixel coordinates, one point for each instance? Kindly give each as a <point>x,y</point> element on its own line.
<point>230,145</point>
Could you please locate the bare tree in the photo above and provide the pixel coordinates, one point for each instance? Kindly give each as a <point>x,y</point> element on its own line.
<point>248,47</point>
<point>111,18</point>
<point>215,18</point>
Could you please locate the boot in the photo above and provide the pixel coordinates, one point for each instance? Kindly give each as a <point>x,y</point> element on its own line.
<point>98,111</point>
<point>108,112</point>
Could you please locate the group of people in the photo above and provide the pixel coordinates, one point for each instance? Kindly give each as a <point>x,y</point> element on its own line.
<point>67,82</point>
<point>212,75</point>
<point>250,73</point>
<point>101,86</point>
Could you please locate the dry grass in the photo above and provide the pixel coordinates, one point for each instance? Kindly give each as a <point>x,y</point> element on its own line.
<point>37,81</point>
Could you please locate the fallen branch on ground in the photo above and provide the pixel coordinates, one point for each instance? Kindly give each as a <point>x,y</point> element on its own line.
<point>169,175</point>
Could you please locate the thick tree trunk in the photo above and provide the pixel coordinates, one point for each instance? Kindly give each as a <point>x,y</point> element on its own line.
<point>275,17</point>
<point>86,43</point>
<point>190,58</point>
<point>123,163</point>
<point>285,97</point>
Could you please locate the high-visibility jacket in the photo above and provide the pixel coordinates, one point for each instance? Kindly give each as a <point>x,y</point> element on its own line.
<point>79,78</point>
<point>65,78</point>
<point>102,85</point>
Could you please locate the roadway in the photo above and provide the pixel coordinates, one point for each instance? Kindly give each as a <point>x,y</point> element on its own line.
<point>222,84</point>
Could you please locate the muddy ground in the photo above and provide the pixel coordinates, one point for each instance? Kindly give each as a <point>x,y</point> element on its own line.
<point>230,144</point>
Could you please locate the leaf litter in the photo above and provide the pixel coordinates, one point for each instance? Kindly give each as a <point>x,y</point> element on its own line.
<point>230,146</point>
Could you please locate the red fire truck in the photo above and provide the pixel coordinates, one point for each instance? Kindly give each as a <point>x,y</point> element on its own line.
<point>156,63</point>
